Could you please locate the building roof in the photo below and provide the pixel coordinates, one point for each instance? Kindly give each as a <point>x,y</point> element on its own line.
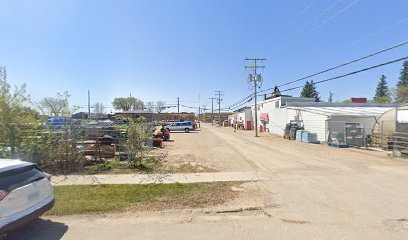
<point>335,109</point>
<point>242,109</point>
<point>286,99</point>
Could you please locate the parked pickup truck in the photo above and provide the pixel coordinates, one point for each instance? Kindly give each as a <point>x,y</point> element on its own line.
<point>181,126</point>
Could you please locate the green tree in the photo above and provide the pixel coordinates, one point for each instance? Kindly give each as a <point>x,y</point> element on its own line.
<point>127,104</point>
<point>310,91</point>
<point>15,116</point>
<point>382,94</point>
<point>401,90</point>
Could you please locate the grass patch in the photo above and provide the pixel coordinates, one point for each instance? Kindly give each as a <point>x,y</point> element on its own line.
<point>148,165</point>
<point>80,199</point>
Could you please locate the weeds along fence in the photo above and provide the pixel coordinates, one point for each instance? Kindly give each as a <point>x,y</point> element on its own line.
<point>69,147</point>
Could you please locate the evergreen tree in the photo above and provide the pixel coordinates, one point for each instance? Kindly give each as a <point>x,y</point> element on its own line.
<point>309,91</point>
<point>402,84</point>
<point>382,94</point>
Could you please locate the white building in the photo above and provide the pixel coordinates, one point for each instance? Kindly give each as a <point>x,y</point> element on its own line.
<point>318,118</point>
<point>244,116</point>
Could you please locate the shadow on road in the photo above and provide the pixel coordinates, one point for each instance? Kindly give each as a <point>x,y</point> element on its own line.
<point>195,131</point>
<point>39,229</point>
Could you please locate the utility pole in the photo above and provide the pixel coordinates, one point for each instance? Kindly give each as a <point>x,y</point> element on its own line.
<point>219,93</point>
<point>89,104</point>
<point>255,78</point>
<point>178,108</point>
<point>212,109</point>
<point>199,111</point>
<point>204,112</point>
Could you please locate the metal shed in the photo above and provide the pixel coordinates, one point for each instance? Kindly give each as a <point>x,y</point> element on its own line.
<point>347,123</point>
<point>351,123</point>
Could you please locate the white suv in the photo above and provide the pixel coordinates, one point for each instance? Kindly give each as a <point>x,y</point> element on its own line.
<point>25,194</point>
<point>186,126</point>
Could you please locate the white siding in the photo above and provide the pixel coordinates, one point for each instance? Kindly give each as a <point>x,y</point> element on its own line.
<point>277,116</point>
<point>312,122</point>
<point>248,115</point>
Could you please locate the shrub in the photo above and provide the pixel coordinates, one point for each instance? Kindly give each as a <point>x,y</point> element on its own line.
<point>53,151</point>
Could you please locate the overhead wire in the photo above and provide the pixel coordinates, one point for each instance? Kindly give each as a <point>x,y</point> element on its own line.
<point>329,19</point>
<point>315,18</point>
<point>309,5</point>
<point>341,65</point>
<point>351,73</point>
<point>382,30</point>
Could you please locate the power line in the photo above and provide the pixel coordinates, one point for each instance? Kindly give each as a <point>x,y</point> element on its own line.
<point>240,106</point>
<point>315,18</point>
<point>329,19</point>
<point>383,30</point>
<point>351,73</point>
<point>299,14</point>
<point>342,65</point>
<point>240,101</point>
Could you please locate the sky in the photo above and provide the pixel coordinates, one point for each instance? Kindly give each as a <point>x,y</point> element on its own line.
<point>162,49</point>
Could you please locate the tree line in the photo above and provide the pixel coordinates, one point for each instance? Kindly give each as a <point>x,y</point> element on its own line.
<point>383,93</point>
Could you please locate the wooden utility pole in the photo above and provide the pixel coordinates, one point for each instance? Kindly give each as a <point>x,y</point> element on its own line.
<point>219,93</point>
<point>199,111</point>
<point>204,112</point>
<point>212,109</point>
<point>255,79</point>
<point>178,108</point>
<point>89,104</point>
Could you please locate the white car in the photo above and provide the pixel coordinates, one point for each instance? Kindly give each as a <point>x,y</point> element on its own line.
<point>25,194</point>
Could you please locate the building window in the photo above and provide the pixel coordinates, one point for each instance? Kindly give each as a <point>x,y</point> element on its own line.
<point>277,104</point>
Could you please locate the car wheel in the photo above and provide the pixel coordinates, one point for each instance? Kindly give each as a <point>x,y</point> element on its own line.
<point>186,130</point>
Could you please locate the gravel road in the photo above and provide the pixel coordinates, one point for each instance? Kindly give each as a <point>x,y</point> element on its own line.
<point>309,192</point>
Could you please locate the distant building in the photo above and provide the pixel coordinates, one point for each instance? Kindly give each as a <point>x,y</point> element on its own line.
<point>242,116</point>
<point>183,116</point>
<point>136,114</point>
<point>208,117</point>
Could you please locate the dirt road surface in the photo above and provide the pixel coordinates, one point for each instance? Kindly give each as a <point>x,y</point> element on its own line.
<point>310,192</point>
